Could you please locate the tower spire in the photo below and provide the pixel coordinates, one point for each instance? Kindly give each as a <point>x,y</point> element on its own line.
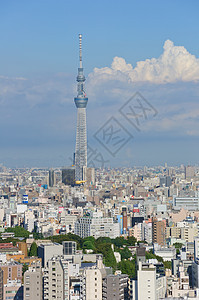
<point>80,50</point>
<point>80,77</point>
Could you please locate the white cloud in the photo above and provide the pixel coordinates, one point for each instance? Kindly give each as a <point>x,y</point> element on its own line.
<point>175,64</point>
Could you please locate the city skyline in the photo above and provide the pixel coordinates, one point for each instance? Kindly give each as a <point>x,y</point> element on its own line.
<point>152,52</point>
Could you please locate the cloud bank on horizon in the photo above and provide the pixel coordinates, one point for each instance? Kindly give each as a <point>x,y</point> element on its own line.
<point>174,64</point>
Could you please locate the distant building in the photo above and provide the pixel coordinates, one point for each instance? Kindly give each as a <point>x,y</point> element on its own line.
<point>158,232</point>
<point>165,181</point>
<point>189,172</point>
<point>69,247</point>
<point>97,227</point>
<point>52,179</point>
<point>89,175</point>
<point>189,203</point>
<point>47,251</point>
<point>68,176</point>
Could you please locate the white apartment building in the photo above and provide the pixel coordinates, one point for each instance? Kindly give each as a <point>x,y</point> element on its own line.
<point>149,285</point>
<point>189,203</point>
<point>97,227</point>
<point>93,280</point>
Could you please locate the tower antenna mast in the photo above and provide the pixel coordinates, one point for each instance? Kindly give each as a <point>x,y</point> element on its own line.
<point>80,50</point>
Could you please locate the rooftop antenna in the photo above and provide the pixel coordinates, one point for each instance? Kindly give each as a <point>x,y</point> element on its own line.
<point>80,50</point>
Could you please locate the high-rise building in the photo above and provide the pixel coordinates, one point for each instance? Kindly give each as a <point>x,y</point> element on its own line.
<point>68,176</point>
<point>115,287</point>
<point>149,284</point>
<point>81,133</point>
<point>56,279</point>
<point>158,232</point>
<point>51,178</point>
<point>93,284</point>
<point>33,283</point>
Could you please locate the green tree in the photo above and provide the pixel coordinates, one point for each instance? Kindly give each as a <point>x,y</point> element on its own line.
<point>101,240</point>
<point>178,246</point>
<point>128,267</point>
<point>150,255</point>
<point>108,255</point>
<point>18,231</point>
<point>119,242</point>
<point>33,249</point>
<point>67,237</point>
<point>125,253</point>
<point>167,264</point>
<point>88,245</point>
<point>131,240</point>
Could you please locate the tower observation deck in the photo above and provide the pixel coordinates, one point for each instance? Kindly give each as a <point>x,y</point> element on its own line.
<point>81,131</point>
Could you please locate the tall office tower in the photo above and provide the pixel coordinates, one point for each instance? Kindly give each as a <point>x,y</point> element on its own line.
<point>51,178</point>
<point>81,134</point>
<point>68,176</point>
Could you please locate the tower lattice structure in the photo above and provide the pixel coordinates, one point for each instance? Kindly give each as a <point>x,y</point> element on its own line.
<point>81,132</point>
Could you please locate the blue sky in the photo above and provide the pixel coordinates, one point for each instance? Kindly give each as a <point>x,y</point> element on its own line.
<point>122,53</point>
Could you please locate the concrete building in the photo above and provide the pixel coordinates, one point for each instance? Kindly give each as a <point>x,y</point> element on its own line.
<point>69,247</point>
<point>33,283</point>
<point>189,172</point>
<point>189,203</point>
<point>56,279</point>
<point>89,175</point>
<point>196,248</point>
<point>158,232</point>
<point>97,227</point>
<point>68,176</point>
<point>168,254</point>
<point>93,284</point>
<point>149,284</point>
<point>47,251</point>
<point>195,274</point>
<point>11,271</point>
<point>115,287</point>
<point>13,290</point>
<point>51,178</point>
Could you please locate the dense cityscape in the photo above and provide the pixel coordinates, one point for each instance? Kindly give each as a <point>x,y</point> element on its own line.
<point>123,234</point>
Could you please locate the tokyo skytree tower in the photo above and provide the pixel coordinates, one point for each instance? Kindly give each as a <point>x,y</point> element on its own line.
<point>81,133</point>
